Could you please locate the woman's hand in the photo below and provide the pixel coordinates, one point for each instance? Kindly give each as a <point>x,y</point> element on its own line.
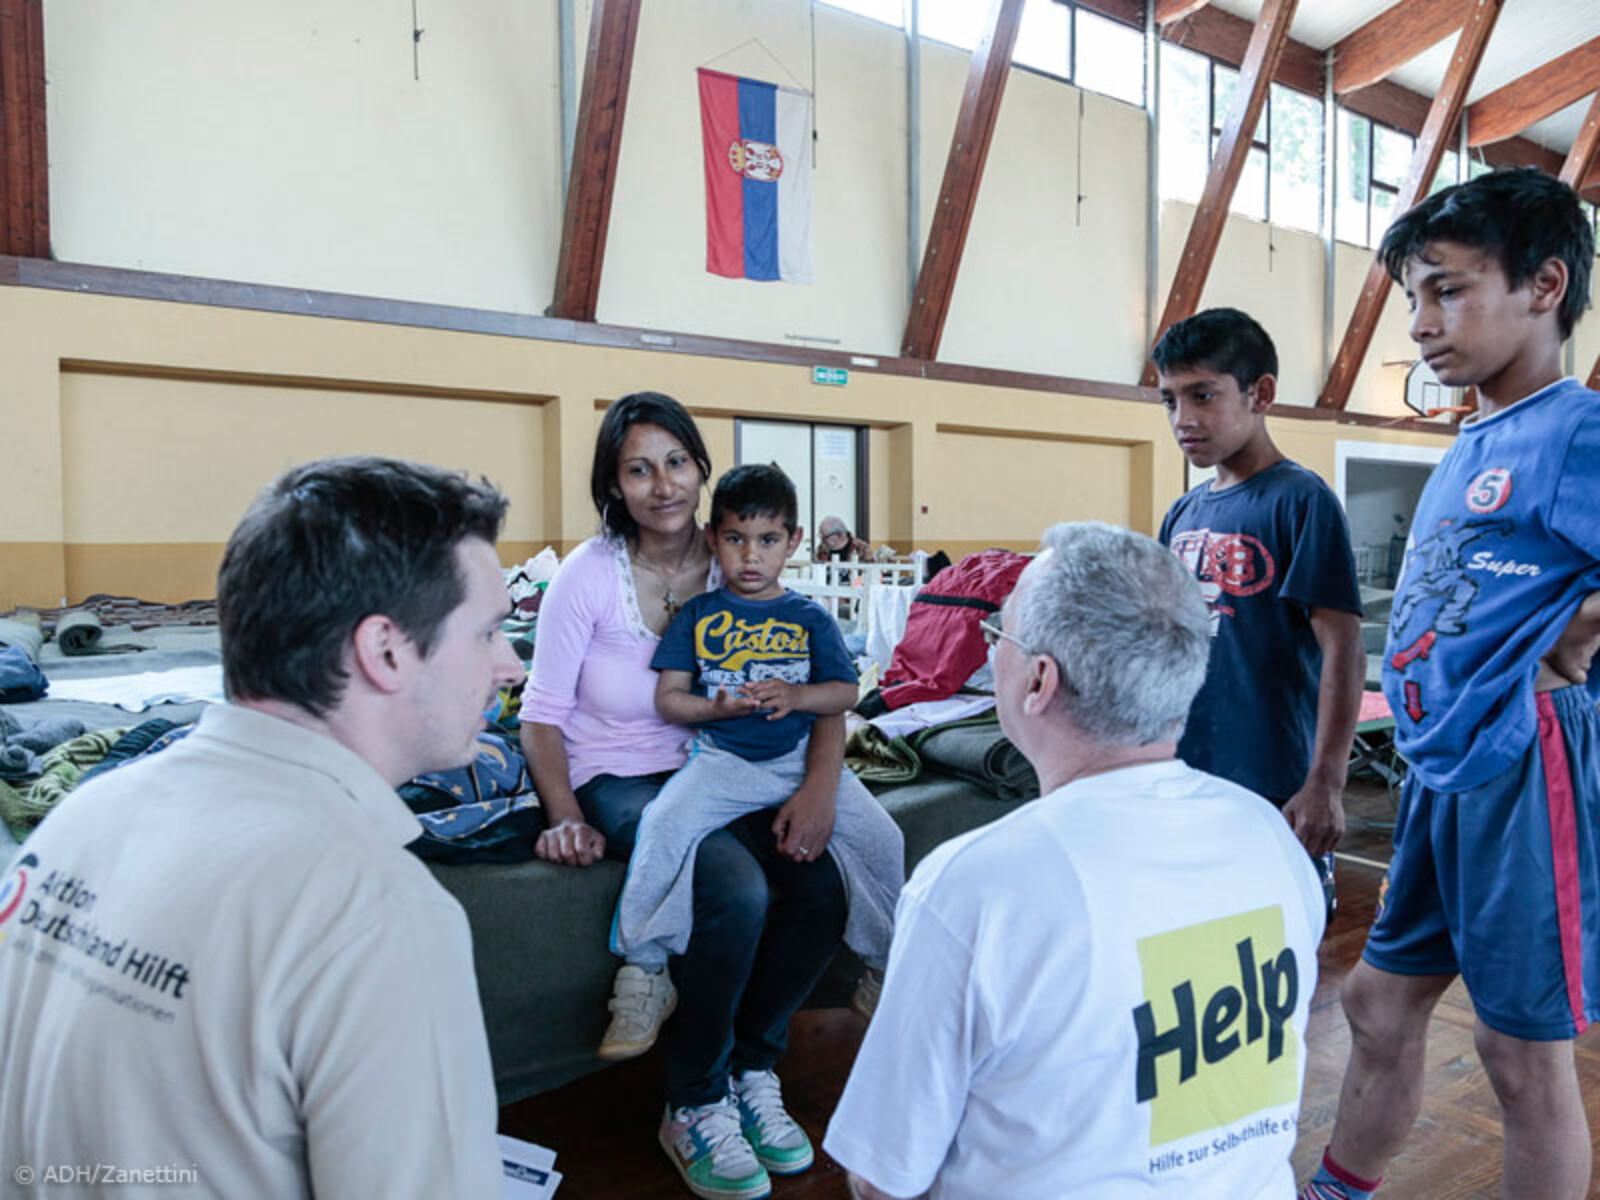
<point>571,843</point>
<point>805,823</point>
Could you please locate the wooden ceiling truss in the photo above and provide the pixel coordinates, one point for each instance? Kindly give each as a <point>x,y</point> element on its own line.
<point>963,175</point>
<point>1438,133</point>
<point>24,158</point>
<point>597,147</point>
<point>1260,64</point>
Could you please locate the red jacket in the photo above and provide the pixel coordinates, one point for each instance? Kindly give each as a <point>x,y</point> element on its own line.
<point>942,645</point>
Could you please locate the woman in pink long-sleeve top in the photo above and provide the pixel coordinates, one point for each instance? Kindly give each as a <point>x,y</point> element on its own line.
<point>765,925</point>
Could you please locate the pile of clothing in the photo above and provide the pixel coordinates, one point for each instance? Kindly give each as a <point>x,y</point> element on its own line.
<point>41,761</point>
<point>21,638</point>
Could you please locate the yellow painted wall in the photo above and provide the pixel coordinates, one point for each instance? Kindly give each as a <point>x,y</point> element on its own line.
<point>1044,481</point>
<point>138,431</point>
<point>227,439</point>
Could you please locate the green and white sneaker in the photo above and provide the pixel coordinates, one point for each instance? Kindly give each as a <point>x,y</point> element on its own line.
<point>781,1145</point>
<point>716,1163</point>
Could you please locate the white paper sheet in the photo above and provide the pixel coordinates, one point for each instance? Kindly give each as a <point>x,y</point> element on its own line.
<point>530,1170</point>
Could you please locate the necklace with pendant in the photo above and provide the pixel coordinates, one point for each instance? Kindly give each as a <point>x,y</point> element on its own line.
<point>670,603</point>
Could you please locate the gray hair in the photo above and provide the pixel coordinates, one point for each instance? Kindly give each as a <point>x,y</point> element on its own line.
<point>1125,623</point>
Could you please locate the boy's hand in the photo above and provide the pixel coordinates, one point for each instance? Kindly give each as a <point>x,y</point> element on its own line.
<point>1569,659</point>
<point>1316,814</point>
<point>726,705</point>
<point>805,823</point>
<point>776,694</point>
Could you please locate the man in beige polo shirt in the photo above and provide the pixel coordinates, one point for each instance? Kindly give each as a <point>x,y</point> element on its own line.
<point>220,967</point>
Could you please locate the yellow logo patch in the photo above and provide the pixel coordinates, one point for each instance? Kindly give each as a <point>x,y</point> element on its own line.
<point>721,641</point>
<point>1216,1041</point>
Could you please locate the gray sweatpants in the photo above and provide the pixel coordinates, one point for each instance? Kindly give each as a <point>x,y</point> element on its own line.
<point>655,913</point>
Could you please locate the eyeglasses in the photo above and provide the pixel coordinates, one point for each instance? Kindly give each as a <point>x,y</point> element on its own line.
<point>836,533</point>
<point>992,634</point>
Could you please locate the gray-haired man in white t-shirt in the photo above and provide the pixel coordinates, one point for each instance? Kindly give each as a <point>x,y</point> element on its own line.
<point>1105,992</point>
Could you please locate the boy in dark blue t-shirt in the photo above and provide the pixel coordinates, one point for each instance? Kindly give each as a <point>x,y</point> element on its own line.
<point>1269,544</point>
<point>1495,873</point>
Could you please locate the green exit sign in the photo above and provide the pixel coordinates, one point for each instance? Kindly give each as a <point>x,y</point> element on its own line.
<point>830,376</point>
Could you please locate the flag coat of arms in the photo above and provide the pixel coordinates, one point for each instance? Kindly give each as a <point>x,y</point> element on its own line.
<point>756,139</point>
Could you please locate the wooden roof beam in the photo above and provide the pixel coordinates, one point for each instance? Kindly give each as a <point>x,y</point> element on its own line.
<point>1267,42</point>
<point>963,174</point>
<point>24,161</point>
<point>1520,152</point>
<point>1168,11</point>
<point>1393,38</point>
<point>1533,97</point>
<point>1438,132</point>
<point>1225,37</point>
<point>1127,12</point>
<point>1575,171</point>
<point>596,148</point>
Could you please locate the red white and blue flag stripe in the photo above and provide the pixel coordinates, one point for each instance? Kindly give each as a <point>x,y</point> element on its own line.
<point>756,138</point>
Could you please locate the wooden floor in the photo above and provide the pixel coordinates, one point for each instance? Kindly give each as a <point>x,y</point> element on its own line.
<point>603,1127</point>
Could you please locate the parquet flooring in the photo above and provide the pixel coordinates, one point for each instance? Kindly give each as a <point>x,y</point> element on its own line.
<point>603,1126</point>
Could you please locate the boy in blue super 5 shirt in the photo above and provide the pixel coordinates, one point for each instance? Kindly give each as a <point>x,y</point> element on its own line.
<point>1496,867</point>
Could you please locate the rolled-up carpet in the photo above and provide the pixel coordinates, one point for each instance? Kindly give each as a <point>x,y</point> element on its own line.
<point>23,631</point>
<point>79,633</point>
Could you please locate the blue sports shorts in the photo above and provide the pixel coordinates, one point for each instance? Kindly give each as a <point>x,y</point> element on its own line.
<point>1501,883</point>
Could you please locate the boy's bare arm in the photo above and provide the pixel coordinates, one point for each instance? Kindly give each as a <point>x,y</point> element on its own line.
<point>677,703</point>
<point>822,699</point>
<point>1573,654</point>
<point>1316,811</point>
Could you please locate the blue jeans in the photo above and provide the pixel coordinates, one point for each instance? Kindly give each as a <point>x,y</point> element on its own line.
<point>765,930</point>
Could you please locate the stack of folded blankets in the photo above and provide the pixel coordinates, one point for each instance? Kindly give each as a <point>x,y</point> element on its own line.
<point>973,749</point>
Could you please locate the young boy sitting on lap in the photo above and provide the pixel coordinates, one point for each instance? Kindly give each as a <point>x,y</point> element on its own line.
<point>750,666</point>
<point>1495,873</point>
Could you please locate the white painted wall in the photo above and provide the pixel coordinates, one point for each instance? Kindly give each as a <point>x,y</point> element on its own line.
<point>1375,494</point>
<point>288,143</point>
<point>1273,274</point>
<point>1380,385</point>
<point>1046,284</point>
<point>655,257</point>
<point>1586,340</point>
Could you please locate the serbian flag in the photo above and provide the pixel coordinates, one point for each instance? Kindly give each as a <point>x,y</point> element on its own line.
<point>757,142</point>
